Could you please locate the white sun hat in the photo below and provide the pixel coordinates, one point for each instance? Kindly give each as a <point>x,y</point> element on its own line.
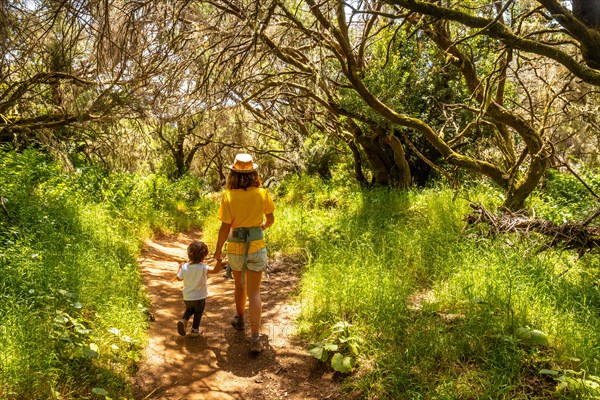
<point>243,163</point>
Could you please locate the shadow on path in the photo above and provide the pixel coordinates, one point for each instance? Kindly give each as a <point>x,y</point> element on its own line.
<point>218,364</point>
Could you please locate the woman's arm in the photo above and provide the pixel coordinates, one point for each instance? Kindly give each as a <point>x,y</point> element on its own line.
<point>223,235</point>
<point>270,219</point>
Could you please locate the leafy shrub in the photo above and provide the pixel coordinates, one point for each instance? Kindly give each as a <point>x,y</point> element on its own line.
<point>564,198</point>
<point>73,312</point>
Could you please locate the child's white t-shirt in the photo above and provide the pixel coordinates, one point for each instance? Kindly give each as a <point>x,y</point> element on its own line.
<point>194,281</point>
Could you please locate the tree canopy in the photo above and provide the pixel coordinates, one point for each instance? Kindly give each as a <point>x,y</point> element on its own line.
<point>402,89</point>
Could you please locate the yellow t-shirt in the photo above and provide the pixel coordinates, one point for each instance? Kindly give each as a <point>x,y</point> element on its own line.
<point>245,208</point>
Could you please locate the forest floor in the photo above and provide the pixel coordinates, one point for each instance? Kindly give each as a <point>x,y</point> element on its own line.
<point>218,365</point>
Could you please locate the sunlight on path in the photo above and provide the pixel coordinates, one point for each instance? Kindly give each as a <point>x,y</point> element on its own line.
<point>218,365</point>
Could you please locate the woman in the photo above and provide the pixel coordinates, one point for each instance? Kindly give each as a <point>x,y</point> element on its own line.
<point>246,211</point>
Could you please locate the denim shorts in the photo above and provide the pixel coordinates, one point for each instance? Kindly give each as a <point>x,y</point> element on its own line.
<point>257,261</point>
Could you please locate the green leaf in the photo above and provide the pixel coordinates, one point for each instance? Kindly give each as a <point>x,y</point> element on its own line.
<point>522,333</point>
<point>82,330</point>
<point>100,391</point>
<point>594,378</point>
<point>340,327</point>
<point>341,363</point>
<point>330,346</point>
<point>319,353</point>
<point>61,319</point>
<point>548,372</point>
<point>91,351</point>
<point>539,338</point>
<point>532,337</point>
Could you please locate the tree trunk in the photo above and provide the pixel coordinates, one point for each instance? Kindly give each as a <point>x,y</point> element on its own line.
<point>519,191</point>
<point>179,157</point>
<point>387,160</point>
<point>358,172</point>
<point>380,172</point>
<point>405,177</point>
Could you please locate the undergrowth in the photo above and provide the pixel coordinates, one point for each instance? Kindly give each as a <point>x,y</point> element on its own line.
<point>436,310</point>
<point>395,289</point>
<point>73,312</point>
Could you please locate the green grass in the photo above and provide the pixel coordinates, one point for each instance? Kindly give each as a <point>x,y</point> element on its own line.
<point>436,311</point>
<point>72,306</point>
<point>421,306</point>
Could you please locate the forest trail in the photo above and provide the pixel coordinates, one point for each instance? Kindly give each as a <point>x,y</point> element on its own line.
<point>218,365</point>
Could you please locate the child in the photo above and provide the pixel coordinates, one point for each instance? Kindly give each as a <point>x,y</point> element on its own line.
<point>195,290</point>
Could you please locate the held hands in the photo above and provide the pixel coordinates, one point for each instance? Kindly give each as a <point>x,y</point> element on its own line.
<point>218,256</point>
<point>219,265</point>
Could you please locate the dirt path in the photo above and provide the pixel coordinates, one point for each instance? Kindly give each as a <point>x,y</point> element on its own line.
<point>218,364</point>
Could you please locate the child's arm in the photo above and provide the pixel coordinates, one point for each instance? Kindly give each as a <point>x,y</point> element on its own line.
<point>219,265</point>
<point>179,272</point>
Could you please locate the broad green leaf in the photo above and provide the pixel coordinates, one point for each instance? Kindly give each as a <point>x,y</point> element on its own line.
<point>532,337</point>
<point>330,346</point>
<point>319,353</point>
<point>539,338</point>
<point>341,363</point>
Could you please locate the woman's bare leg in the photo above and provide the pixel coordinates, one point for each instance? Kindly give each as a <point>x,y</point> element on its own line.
<point>240,294</point>
<point>253,280</point>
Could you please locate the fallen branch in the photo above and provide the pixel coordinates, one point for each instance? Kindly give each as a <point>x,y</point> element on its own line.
<point>579,236</point>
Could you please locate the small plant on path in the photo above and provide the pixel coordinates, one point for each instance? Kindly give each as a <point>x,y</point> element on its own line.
<point>340,342</point>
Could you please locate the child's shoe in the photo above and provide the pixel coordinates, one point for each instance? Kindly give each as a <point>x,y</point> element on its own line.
<point>181,325</point>
<point>228,273</point>
<point>195,332</point>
